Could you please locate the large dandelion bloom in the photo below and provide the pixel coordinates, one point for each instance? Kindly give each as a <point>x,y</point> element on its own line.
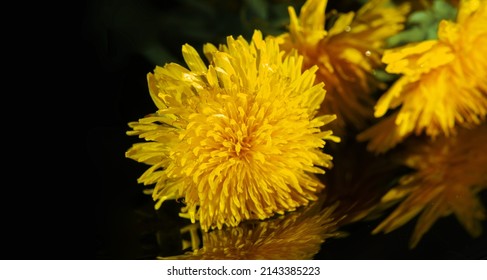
<point>238,139</point>
<point>346,54</point>
<point>294,236</point>
<point>448,173</point>
<point>443,82</point>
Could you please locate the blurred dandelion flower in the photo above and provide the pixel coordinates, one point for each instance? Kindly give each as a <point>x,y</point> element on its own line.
<point>443,82</point>
<point>294,236</point>
<point>347,54</point>
<point>239,139</point>
<point>448,173</point>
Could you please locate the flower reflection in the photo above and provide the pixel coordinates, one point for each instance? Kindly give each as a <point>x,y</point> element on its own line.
<point>296,235</point>
<point>448,174</point>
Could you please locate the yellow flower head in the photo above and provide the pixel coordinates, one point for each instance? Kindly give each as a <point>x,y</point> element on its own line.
<point>443,82</point>
<point>238,139</point>
<point>346,54</point>
<point>448,173</point>
<point>294,236</point>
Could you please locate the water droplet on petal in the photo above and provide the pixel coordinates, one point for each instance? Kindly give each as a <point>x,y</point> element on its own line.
<point>348,28</point>
<point>368,53</point>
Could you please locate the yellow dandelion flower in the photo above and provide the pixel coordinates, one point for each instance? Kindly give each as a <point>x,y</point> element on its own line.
<point>346,54</point>
<point>443,82</point>
<point>236,140</point>
<point>295,236</point>
<point>448,173</point>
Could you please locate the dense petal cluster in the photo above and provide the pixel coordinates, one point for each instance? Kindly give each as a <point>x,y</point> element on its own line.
<point>295,236</point>
<point>443,82</point>
<point>347,54</point>
<point>447,175</point>
<point>236,140</point>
